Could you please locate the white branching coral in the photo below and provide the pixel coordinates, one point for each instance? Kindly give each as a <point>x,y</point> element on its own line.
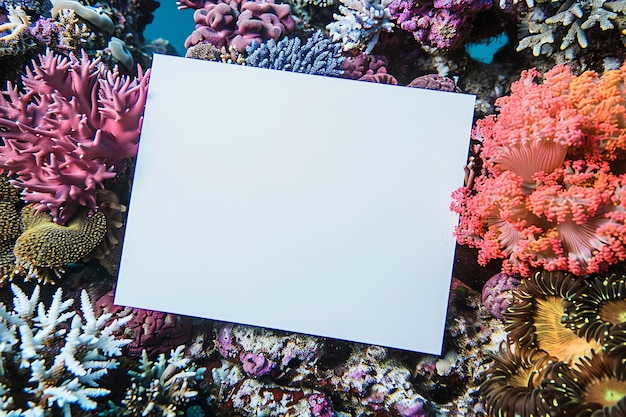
<point>360,24</point>
<point>64,362</point>
<point>160,387</point>
<point>559,27</point>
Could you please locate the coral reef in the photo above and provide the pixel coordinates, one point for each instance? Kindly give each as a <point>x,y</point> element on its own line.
<point>546,196</point>
<point>238,23</point>
<point>54,358</point>
<point>161,387</point>
<point>553,363</point>
<point>318,56</point>
<point>497,296</point>
<point>360,23</point>
<point>560,28</point>
<point>66,133</point>
<point>438,24</point>
<point>13,32</point>
<point>150,332</point>
<point>44,247</point>
<point>542,227</point>
<point>9,225</point>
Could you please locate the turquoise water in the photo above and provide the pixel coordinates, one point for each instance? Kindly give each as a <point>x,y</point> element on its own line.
<point>171,24</point>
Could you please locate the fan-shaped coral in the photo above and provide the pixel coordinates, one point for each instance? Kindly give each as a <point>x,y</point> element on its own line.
<point>68,131</point>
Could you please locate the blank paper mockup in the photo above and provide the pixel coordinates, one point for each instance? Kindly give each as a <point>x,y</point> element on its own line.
<point>296,202</point>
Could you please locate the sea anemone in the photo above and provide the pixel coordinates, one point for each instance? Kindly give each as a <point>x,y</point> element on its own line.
<point>600,312</point>
<point>514,387</point>
<point>596,387</point>
<point>535,319</point>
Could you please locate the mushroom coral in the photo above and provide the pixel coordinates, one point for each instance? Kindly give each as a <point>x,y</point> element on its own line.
<point>548,195</point>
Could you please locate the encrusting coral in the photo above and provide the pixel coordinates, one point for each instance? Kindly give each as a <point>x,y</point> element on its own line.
<point>53,358</point>
<point>547,197</point>
<point>67,132</point>
<point>44,248</point>
<point>9,225</point>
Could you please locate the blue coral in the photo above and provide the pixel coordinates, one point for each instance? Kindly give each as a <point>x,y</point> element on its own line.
<point>318,56</point>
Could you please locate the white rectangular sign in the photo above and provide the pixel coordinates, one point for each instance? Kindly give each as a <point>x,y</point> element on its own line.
<point>296,202</point>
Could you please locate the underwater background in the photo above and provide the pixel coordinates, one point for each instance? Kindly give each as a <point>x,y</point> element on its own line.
<point>537,312</point>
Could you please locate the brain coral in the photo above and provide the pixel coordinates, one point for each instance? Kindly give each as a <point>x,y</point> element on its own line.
<point>547,196</point>
<point>67,131</point>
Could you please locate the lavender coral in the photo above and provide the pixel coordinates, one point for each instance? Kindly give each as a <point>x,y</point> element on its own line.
<point>548,198</point>
<point>238,23</point>
<point>442,24</point>
<point>69,130</point>
<point>318,56</point>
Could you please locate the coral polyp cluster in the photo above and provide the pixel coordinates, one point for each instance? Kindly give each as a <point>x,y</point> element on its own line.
<point>561,355</point>
<point>550,194</point>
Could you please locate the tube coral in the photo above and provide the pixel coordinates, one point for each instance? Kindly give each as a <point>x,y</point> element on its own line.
<point>67,132</point>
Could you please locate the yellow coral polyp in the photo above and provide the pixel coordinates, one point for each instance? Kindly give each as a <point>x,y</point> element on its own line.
<point>45,248</point>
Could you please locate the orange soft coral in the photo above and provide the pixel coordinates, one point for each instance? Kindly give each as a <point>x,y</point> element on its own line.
<point>546,197</point>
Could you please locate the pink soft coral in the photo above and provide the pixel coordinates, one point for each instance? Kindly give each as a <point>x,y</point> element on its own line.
<point>546,199</point>
<point>67,131</point>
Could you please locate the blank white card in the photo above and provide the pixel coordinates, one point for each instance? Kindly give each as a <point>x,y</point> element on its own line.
<point>296,202</point>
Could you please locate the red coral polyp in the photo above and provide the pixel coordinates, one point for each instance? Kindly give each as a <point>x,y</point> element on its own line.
<point>68,130</point>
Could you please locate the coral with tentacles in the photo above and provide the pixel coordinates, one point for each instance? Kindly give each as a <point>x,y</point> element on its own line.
<point>547,196</point>
<point>560,357</point>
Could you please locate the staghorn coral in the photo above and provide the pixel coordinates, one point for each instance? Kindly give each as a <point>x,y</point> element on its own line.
<point>150,332</point>
<point>161,387</point>
<point>438,24</point>
<point>13,32</point>
<point>67,132</point>
<point>318,56</point>
<point>546,196</point>
<point>44,248</point>
<point>559,28</point>
<point>238,22</point>
<point>360,24</point>
<point>60,364</point>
